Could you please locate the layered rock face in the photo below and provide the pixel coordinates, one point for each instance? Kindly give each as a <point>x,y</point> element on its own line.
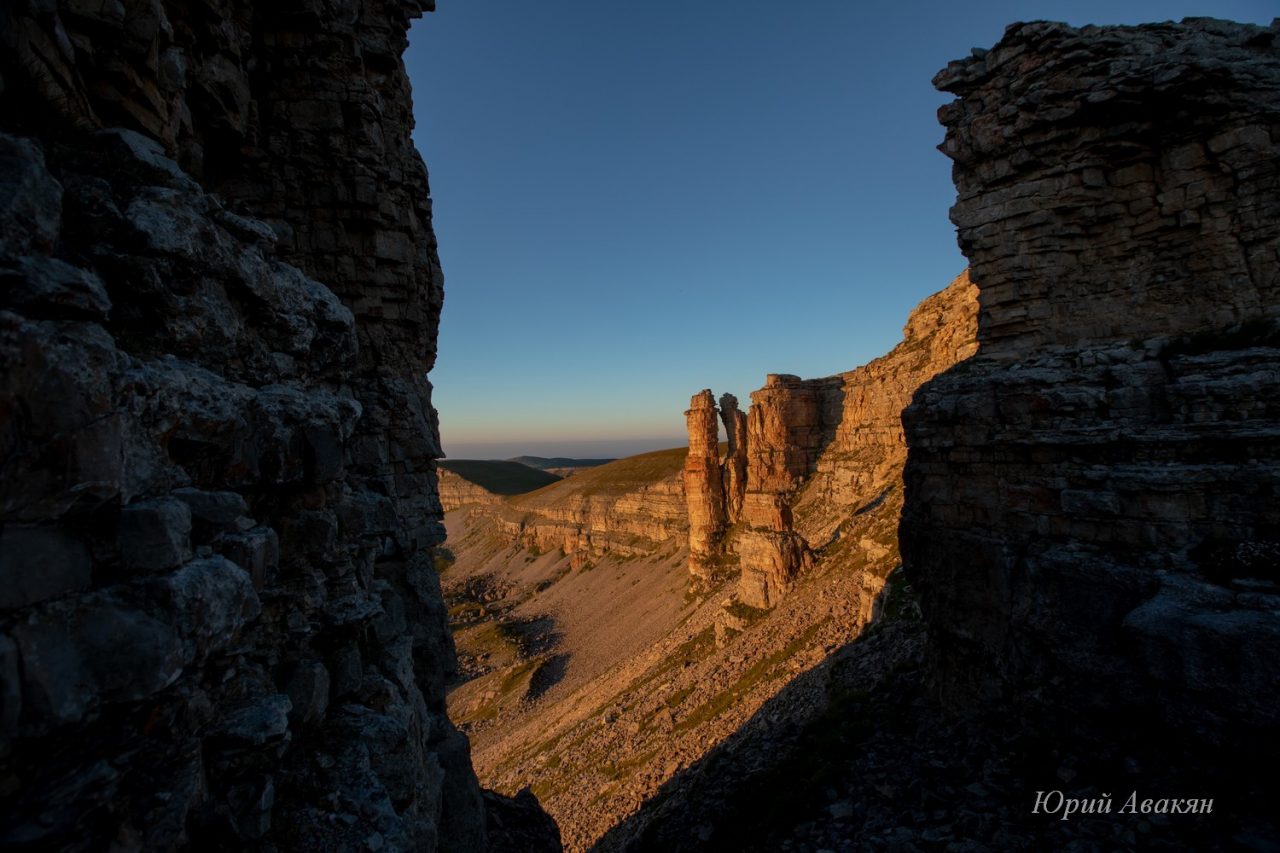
<point>219,622</point>
<point>456,492</point>
<point>821,459</point>
<point>1091,513</point>
<point>703,481</point>
<point>629,507</point>
<point>784,434</point>
<point>734,469</point>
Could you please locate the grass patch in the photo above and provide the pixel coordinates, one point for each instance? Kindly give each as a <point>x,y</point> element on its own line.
<point>679,696</point>
<point>616,771</point>
<point>690,651</point>
<point>513,679</point>
<point>745,613</point>
<point>721,702</point>
<point>613,478</point>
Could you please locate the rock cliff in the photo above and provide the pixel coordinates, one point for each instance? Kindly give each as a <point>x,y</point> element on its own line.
<point>628,507</point>
<point>219,621</point>
<point>1091,514</point>
<point>457,491</point>
<point>814,468</point>
<point>704,482</point>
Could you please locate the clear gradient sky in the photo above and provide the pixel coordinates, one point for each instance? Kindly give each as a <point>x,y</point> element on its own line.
<point>635,201</point>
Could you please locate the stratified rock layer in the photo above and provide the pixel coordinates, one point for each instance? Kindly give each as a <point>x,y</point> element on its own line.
<point>629,507</point>
<point>220,624</point>
<point>1091,509</point>
<point>457,491</point>
<point>703,482</point>
<point>734,468</point>
<point>815,467</point>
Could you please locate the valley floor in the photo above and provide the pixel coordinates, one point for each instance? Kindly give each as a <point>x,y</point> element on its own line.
<point>594,717</point>
<point>707,726</point>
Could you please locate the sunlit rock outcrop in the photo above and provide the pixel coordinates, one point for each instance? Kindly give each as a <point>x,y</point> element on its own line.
<point>734,468</point>
<point>703,483</point>
<point>629,507</point>
<point>821,460</point>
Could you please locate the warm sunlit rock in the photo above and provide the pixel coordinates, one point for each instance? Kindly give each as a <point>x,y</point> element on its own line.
<point>814,453</point>
<point>704,484</point>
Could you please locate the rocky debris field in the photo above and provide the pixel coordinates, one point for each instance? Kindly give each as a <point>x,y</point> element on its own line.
<point>856,756</point>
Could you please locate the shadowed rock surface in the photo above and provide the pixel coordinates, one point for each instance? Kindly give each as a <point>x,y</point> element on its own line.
<point>220,624</point>
<point>1092,515</point>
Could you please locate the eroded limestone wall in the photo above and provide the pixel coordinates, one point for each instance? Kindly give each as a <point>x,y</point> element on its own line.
<point>638,519</point>
<point>1091,504</point>
<point>219,622</point>
<point>704,483</point>
<point>821,460</point>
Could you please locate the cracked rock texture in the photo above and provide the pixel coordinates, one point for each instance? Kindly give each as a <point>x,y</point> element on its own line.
<point>703,480</point>
<point>1091,503</point>
<point>219,622</point>
<point>813,470</point>
<point>457,491</point>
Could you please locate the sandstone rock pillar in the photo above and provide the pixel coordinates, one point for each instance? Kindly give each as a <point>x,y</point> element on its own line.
<point>784,433</point>
<point>734,469</point>
<point>703,485</point>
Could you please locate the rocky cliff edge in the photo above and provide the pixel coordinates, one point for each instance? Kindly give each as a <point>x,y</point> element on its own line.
<point>219,622</point>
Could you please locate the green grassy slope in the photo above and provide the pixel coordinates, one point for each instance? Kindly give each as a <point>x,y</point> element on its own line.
<point>614,478</point>
<point>544,462</point>
<point>501,478</point>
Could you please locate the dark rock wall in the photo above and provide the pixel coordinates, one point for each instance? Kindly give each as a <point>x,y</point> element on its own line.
<point>219,620</point>
<point>1092,509</point>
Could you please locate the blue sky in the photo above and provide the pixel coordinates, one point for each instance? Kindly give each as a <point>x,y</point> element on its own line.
<point>635,201</point>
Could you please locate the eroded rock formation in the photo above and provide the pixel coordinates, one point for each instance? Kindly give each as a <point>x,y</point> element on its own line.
<point>219,623</point>
<point>704,483</point>
<point>784,433</point>
<point>821,459</point>
<point>734,469</point>
<point>1091,512</point>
